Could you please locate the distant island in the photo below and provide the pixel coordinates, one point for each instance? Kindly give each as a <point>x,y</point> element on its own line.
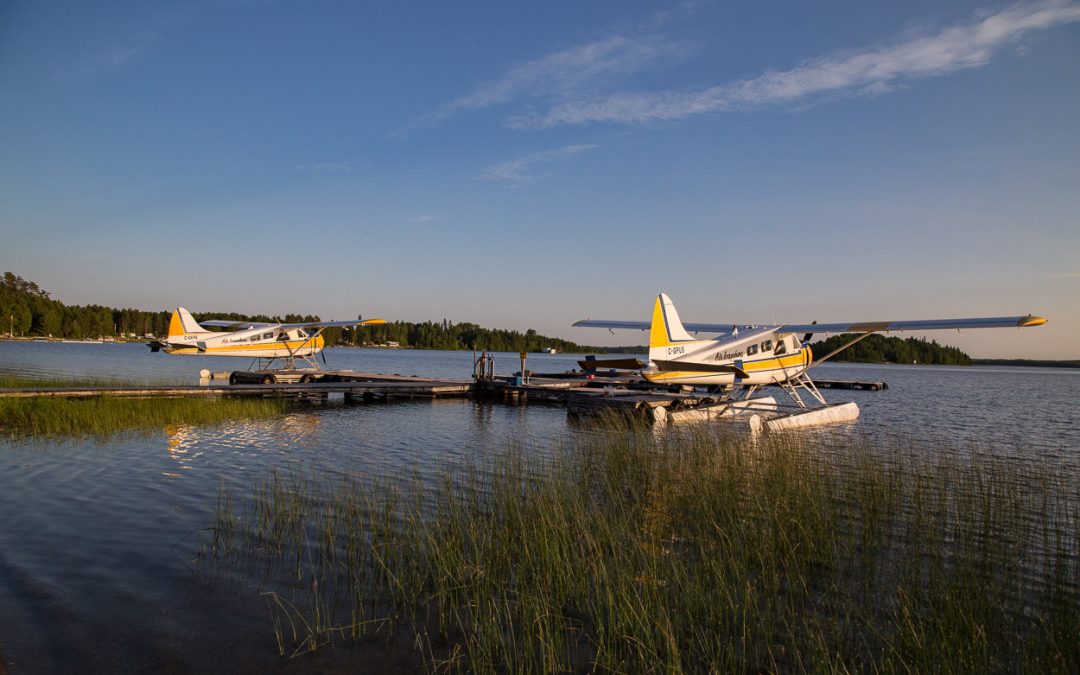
<point>882,349</point>
<point>1031,363</point>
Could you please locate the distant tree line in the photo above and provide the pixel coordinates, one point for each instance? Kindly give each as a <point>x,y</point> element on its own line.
<point>27,310</point>
<point>1030,363</point>
<point>449,335</point>
<point>881,349</point>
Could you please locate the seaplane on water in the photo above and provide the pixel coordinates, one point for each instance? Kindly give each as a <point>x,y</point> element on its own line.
<point>753,356</point>
<point>265,342</point>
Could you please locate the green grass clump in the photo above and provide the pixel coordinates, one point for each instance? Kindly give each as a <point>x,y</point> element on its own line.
<point>106,416</point>
<point>8,381</point>
<point>681,552</point>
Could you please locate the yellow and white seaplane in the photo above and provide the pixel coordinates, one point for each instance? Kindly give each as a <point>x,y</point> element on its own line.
<point>265,342</point>
<point>752,356</point>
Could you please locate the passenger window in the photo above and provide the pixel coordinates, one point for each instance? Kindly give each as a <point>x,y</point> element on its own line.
<point>284,337</point>
<point>751,350</point>
<point>766,346</point>
<point>254,338</point>
<point>781,347</point>
<point>267,336</point>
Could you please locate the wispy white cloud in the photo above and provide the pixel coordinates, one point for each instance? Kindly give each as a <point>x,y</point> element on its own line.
<point>523,169</point>
<point>100,57</point>
<point>871,71</point>
<point>563,73</point>
<point>424,218</point>
<point>118,54</point>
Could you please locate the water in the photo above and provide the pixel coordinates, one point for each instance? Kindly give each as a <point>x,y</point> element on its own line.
<point>97,538</point>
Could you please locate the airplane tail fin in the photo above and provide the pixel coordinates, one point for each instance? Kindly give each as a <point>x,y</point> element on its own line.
<point>182,323</point>
<point>666,330</point>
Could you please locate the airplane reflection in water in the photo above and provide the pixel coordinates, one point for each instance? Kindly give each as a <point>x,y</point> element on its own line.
<point>187,444</point>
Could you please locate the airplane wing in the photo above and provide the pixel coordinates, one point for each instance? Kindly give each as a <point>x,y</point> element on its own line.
<point>235,324</point>
<point>329,324</point>
<point>848,327</point>
<point>602,323</point>
<point>918,325</point>
<point>644,325</point>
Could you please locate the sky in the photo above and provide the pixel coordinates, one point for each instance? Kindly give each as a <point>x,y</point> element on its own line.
<point>525,165</point>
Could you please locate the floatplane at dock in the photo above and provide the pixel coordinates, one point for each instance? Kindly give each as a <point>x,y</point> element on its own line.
<point>264,342</point>
<point>742,359</point>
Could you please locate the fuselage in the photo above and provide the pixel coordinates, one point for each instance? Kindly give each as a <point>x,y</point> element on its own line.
<point>264,342</point>
<point>754,357</point>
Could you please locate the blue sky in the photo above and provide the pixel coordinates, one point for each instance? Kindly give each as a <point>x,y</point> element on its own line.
<point>524,165</point>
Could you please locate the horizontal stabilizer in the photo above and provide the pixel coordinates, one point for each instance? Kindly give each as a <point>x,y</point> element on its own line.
<point>618,364</point>
<point>691,367</point>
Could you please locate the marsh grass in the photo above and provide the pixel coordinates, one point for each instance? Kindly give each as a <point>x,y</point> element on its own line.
<point>8,381</point>
<point>103,416</point>
<point>679,552</point>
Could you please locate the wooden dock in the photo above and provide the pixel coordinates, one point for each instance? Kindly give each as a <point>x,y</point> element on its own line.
<point>624,394</point>
<point>378,388</point>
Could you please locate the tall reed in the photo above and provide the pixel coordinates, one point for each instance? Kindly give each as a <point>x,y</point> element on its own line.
<point>58,417</point>
<point>12,381</point>
<point>680,552</point>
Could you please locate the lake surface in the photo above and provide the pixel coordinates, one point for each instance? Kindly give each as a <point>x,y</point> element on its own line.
<point>98,537</point>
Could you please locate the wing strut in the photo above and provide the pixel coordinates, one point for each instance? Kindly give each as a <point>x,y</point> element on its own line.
<point>838,350</point>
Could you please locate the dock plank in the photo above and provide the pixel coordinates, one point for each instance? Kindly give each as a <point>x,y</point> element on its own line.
<point>415,387</point>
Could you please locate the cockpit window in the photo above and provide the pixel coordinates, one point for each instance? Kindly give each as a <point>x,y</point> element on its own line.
<point>781,347</point>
